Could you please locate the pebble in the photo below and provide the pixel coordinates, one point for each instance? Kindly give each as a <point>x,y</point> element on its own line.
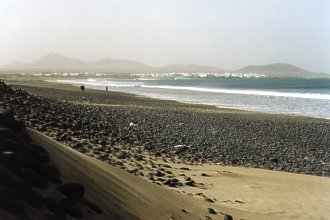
<point>5,174</point>
<point>227,217</point>
<point>72,190</point>
<point>7,196</point>
<point>211,211</point>
<point>70,208</point>
<point>35,199</point>
<point>208,200</point>
<point>190,183</point>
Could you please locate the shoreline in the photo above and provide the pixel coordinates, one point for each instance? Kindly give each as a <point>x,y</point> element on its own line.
<point>44,83</point>
<point>218,105</point>
<point>104,132</point>
<point>237,138</point>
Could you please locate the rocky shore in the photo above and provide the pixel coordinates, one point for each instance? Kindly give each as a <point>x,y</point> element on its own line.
<point>30,187</point>
<point>121,134</point>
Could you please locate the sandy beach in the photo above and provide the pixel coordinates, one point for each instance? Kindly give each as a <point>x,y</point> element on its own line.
<point>156,159</point>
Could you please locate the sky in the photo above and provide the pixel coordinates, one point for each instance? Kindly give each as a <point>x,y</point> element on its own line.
<point>228,34</point>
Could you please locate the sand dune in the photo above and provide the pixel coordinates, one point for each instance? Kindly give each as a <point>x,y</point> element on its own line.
<point>124,196</point>
<point>240,192</point>
<point>277,194</point>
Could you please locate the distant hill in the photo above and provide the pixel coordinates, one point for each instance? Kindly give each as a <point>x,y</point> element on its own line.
<point>190,68</point>
<point>58,62</point>
<point>280,70</point>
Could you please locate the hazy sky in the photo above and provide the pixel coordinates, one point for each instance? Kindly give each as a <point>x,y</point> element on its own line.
<point>227,34</point>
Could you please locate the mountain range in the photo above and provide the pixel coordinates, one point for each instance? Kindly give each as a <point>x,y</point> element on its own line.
<point>60,63</point>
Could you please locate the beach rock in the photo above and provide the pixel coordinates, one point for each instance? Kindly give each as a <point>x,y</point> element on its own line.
<point>38,153</point>
<point>211,211</point>
<point>180,148</point>
<point>117,163</point>
<point>53,174</point>
<point>34,199</point>
<point>7,195</point>
<point>7,133</point>
<point>122,155</point>
<point>25,217</point>
<point>5,174</point>
<point>72,190</point>
<point>51,205</point>
<point>208,200</point>
<point>14,158</point>
<point>21,188</point>
<point>93,207</point>
<point>13,207</point>
<point>32,178</point>
<point>157,173</point>
<point>227,217</point>
<point>55,217</point>
<point>166,166</point>
<point>70,208</point>
<point>187,178</point>
<point>274,160</point>
<point>138,157</point>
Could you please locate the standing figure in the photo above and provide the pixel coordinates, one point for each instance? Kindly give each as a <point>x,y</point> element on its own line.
<point>106,88</point>
<point>82,88</point>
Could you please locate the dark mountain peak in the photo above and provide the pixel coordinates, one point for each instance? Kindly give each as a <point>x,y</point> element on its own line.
<point>273,68</point>
<point>190,68</point>
<point>57,60</point>
<point>108,61</point>
<point>53,55</point>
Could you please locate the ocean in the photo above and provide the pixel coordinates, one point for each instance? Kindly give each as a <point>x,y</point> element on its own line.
<point>290,96</point>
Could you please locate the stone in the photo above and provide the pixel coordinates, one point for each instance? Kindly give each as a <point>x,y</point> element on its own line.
<point>227,217</point>
<point>190,183</point>
<point>122,155</point>
<point>93,207</point>
<point>33,178</point>
<point>34,199</point>
<point>208,200</point>
<point>157,173</point>
<point>70,208</point>
<point>55,217</point>
<point>38,153</point>
<point>7,133</point>
<point>14,207</point>
<point>211,211</point>
<point>187,178</point>
<point>21,188</point>
<point>7,196</point>
<point>72,190</point>
<point>5,174</point>
<point>51,205</point>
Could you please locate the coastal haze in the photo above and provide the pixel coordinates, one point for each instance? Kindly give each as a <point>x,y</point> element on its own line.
<point>61,63</point>
<point>178,109</point>
<point>225,34</point>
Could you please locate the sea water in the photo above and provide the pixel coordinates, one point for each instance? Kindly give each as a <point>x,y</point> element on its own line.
<point>292,96</point>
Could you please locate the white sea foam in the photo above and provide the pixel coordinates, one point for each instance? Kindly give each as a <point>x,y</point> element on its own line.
<point>201,89</point>
<point>314,104</point>
<point>247,92</point>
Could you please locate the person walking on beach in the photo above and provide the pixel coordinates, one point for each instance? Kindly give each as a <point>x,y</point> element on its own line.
<point>106,88</point>
<point>82,88</point>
